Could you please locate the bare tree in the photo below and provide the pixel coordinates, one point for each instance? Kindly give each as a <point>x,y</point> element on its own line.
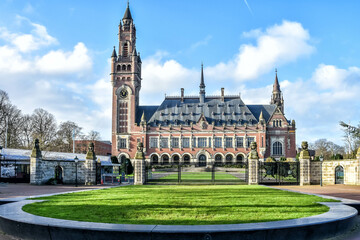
<point>326,148</point>
<point>64,139</point>
<point>44,127</point>
<point>351,137</point>
<point>93,136</point>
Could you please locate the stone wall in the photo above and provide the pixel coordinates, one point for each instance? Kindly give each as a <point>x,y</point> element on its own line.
<point>315,172</point>
<point>43,170</point>
<point>351,171</point>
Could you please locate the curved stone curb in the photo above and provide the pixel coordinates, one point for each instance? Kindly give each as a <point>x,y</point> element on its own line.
<point>16,222</point>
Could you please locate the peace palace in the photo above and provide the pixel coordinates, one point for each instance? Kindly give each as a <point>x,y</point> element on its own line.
<point>199,129</point>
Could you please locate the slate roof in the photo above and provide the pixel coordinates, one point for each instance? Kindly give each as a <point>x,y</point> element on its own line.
<point>232,110</point>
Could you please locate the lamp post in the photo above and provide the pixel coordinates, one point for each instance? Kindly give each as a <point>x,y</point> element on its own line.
<point>321,160</point>
<point>76,160</point>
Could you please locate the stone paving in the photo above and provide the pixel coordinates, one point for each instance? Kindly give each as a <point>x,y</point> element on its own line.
<point>342,191</point>
<point>15,190</point>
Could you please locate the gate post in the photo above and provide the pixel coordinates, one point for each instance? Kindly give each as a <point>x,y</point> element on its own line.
<point>90,166</point>
<point>139,168</point>
<point>253,165</point>
<point>304,160</point>
<point>36,164</point>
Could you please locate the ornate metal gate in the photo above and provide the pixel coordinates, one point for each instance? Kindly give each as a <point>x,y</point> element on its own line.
<point>279,173</point>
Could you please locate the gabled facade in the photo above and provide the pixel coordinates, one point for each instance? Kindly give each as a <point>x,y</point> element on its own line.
<point>198,129</point>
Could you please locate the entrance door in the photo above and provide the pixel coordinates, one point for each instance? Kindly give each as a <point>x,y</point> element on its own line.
<point>58,175</point>
<point>202,160</point>
<point>339,175</point>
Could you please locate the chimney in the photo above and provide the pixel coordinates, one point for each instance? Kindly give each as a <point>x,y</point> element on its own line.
<point>182,95</point>
<point>222,94</point>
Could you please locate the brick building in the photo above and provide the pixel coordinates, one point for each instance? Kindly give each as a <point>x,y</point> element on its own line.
<point>101,147</point>
<point>198,129</point>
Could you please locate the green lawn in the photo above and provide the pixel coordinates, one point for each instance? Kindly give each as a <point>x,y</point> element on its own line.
<point>200,176</point>
<point>180,205</point>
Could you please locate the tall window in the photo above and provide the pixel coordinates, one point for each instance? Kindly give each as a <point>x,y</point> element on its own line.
<point>186,142</point>
<point>239,142</point>
<point>153,142</point>
<point>155,159</point>
<point>125,50</point>
<point>165,159</point>
<point>239,158</point>
<point>229,159</point>
<point>123,116</point>
<point>228,142</point>
<point>218,158</point>
<point>218,142</point>
<point>277,148</point>
<point>122,143</point>
<point>201,142</point>
<point>250,140</point>
<point>164,142</point>
<point>186,159</point>
<point>175,142</point>
<point>194,142</point>
<point>176,159</point>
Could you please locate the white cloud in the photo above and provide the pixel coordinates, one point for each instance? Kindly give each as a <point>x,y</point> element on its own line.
<point>278,45</point>
<point>165,77</point>
<point>58,61</point>
<point>27,42</point>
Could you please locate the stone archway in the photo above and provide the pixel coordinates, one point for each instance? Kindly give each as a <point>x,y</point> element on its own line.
<point>339,175</point>
<point>202,160</point>
<point>58,174</point>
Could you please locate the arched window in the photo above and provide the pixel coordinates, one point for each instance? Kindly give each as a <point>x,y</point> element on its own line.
<point>176,159</point>
<point>202,160</point>
<point>218,158</point>
<point>118,67</point>
<point>239,158</point>
<point>274,123</point>
<point>155,159</point>
<point>165,159</point>
<point>186,159</point>
<point>125,50</point>
<point>277,148</point>
<point>129,67</point>
<point>229,159</point>
<point>123,67</point>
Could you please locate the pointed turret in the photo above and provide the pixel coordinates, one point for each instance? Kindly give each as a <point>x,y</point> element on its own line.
<point>143,119</point>
<point>202,86</point>
<point>277,95</point>
<point>113,55</point>
<point>127,14</point>
<point>261,118</point>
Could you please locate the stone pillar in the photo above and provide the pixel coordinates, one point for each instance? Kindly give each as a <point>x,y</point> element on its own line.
<point>139,165</point>
<point>90,166</point>
<point>253,165</point>
<point>304,159</point>
<point>35,164</point>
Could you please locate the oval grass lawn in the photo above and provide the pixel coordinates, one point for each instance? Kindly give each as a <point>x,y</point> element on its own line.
<point>180,205</point>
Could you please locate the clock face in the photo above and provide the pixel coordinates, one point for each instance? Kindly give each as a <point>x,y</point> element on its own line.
<point>124,93</point>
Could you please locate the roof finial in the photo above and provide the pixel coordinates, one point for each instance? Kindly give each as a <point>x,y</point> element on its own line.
<point>275,70</point>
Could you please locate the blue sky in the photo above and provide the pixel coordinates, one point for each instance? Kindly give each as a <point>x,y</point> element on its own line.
<point>55,55</point>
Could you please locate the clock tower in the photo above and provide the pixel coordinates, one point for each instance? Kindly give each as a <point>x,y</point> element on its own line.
<point>126,83</point>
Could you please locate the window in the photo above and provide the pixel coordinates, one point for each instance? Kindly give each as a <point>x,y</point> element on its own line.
<point>125,50</point>
<point>165,159</point>
<point>176,159</point>
<point>229,159</point>
<point>218,142</point>
<point>185,142</point>
<point>122,143</point>
<point>123,67</point>
<point>239,158</point>
<point>129,67</point>
<point>153,142</point>
<point>194,142</point>
<point>175,142</point>
<point>118,67</point>
<point>228,142</point>
<point>239,142</point>
<point>277,148</point>
<point>186,159</point>
<point>155,159</point>
<point>164,142</point>
<point>250,140</point>
<point>209,142</point>
<point>218,158</point>
<point>201,142</point>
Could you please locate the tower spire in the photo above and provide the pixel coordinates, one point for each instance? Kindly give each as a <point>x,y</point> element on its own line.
<point>127,14</point>
<point>276,94</point>
<point>202,85</point>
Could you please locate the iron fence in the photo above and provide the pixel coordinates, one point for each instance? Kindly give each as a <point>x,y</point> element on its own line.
<point>279,173</point>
